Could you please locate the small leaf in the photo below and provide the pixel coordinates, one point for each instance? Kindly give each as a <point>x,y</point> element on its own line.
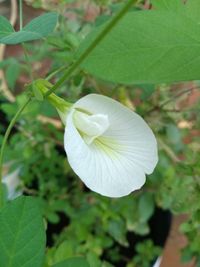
<point>117,230</point>
<point>64,251</point>
<point>73,262</point>
<point>5,27</point>
<point>141,228</point>
<point>12,73</point>
<point>38,28</point>
<point>20,37</point>
<point>146,207</point>
<point>43,24</point>
<point>22,234</point>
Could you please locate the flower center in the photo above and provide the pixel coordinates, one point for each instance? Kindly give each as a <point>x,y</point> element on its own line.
<point>90,126</point>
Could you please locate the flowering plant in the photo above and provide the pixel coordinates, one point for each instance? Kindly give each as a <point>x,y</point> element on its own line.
<point>109,153</point>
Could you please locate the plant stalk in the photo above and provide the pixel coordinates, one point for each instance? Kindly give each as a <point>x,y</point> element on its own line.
<point>5,139</point>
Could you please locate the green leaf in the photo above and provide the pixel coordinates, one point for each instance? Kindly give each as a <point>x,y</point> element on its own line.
<point>5,27</point>
<point>43,24</point>
<point>193,9</point>
<point>6,62</point>
<point>38,28</point>
<point>147,47</point>
<point>12,73</point>
<point>22,234</point>
<point>20,37</point>
<point>3,193</point>
<point>37,93</point>
<point>64,250</point>
<point>146,207</point>
<point>141,228</point>
<point>173,5</point>
<point>117,229</point>
<point>73,262</point>
<point>147,90</point>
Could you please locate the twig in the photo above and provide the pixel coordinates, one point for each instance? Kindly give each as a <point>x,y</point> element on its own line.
<point>186,91</point>
<point>168,151</point>
<point>181,110</point>
<point>45,120</point>
<point>160,107</point>
<point>4,87</point>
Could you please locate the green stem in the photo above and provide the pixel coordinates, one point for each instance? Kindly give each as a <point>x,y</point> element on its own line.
<point>5,139</point>
<point>55,72</point>
<point>93,45</point>
<point>20,14</point>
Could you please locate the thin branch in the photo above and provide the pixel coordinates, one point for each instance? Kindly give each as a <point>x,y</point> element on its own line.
<point>181,110</point>
<point>168,151</point>
<point>186,91</point>
<point>7,133</point>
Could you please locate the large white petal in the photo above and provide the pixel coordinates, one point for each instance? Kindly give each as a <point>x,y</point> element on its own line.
<point>115,163</point>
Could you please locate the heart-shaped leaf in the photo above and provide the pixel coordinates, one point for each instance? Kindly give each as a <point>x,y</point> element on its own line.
<point>22,234</point>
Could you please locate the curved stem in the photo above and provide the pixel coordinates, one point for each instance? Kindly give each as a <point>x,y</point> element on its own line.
<point>5,139</point>
<point>93,45</point>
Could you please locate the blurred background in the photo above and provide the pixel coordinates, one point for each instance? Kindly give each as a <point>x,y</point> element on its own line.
<point>126,232</point>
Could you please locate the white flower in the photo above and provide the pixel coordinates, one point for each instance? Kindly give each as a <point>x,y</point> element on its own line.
<point>108,146</point>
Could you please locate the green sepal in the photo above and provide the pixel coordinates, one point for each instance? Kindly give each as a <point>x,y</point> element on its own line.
<point>37,93</point>
<point>41,87</point>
